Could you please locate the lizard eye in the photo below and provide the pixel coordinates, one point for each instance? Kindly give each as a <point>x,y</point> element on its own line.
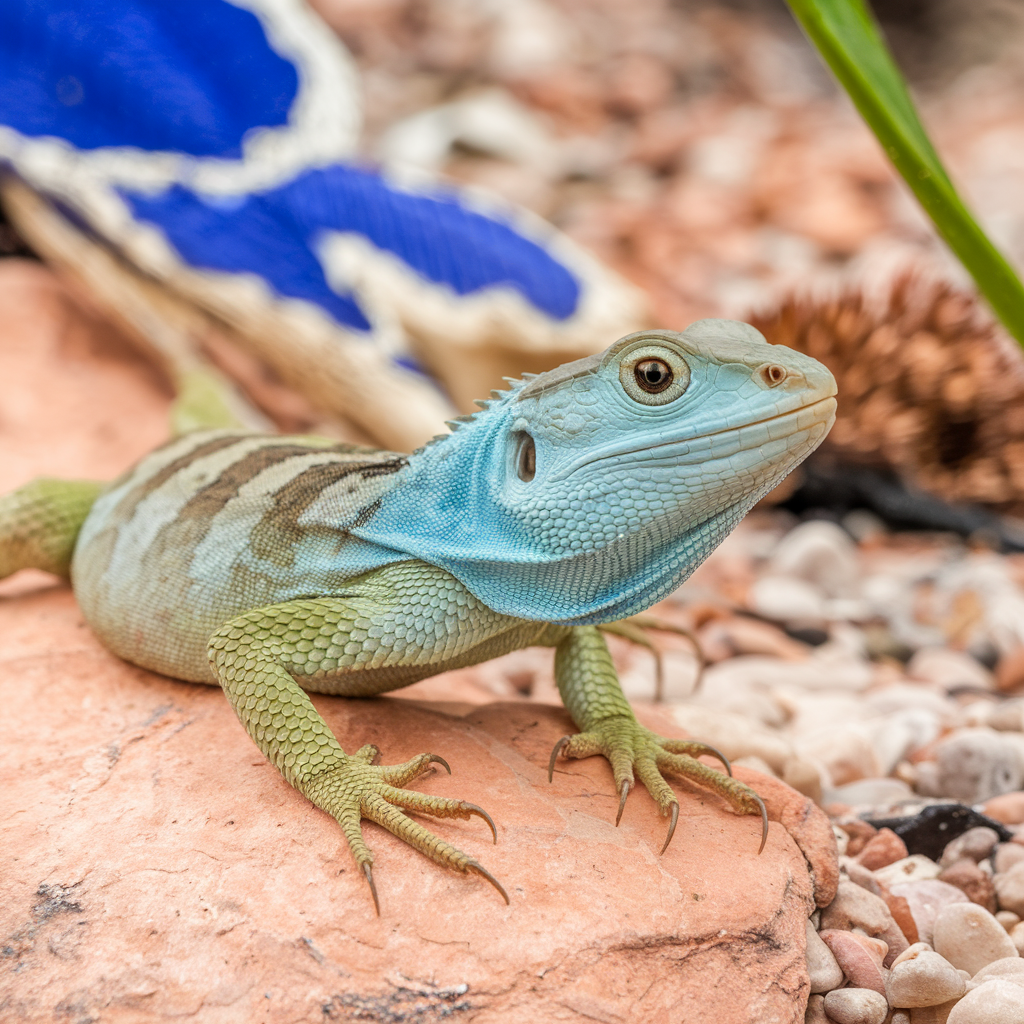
<point>653,374</point>
<point>526,457</point>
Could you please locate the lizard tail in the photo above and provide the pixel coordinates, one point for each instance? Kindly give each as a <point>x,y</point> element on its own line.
<point>39,524</point>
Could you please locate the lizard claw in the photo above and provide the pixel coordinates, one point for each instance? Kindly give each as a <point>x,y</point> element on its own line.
<point>437,759</point>
<point>764,823</point>
<point>373,889</point>
<point>473,866</point>
<point>623,793</point>
<point>559,747</point>
<point>473,809</point>
<point>672,826</point>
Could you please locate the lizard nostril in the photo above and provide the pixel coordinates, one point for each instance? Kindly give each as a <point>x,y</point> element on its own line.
<point>773,374</point>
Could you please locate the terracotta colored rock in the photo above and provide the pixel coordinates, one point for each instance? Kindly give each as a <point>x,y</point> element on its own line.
<point>859,956</point>
<point>900,910</point>
<point>1010,671</point>
<point>883,848</point>
<point>1007,808</point>
<point>152,872</point>
<point>974,883</point>
<point>926,899</point>
<point>855,907</point>
<point>860,833</point>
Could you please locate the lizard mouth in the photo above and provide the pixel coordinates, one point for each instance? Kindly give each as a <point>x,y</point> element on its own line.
<point>824,407</point>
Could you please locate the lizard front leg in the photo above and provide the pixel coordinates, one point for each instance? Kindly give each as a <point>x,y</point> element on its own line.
<point>592,694</point>
<point>257,657</point>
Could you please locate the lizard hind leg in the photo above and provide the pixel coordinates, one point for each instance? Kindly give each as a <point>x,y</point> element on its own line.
<point>40,522</point>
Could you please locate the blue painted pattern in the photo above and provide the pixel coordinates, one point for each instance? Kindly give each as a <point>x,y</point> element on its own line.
<point>189,75</point>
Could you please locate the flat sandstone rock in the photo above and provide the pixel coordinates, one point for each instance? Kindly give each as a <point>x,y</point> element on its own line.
<point>155,865</point>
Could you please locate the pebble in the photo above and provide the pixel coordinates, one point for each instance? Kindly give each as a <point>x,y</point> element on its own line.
<point>917,868</point>
<point>787,600</point>
<point>977,764</point>
<point>948,668</point>
<point>859,957</point>
<point>815,1013</point>
<point>843,841</point>
<point>860,834</point>
<point>824,970</point>
<point>861,875</point>
<point>1010,671</point>
<point>995,1002</point>
<point>1007,918</point>
<point>856,1006</point>
<point>925,979</point>
<point>885,847</point>
<point>1006,856</point>
<point>1010,889</point>
<point>1007,808</point>
<point>926,900</point>
<point>975,884</point>
<point>1011,968</point>
<point>855,907</point>
<point>933,1014</point>
<point>976,843</point>
<point>934,827</point>
<point>899,1017</point>
<point>820,553</point>
<point>969,937</point>
<point>911,951</point>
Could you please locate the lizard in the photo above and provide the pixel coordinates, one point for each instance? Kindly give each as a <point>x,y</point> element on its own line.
<point>572,501</point>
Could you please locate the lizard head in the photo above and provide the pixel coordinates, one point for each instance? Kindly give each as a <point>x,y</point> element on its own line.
<point>663,430</point>
<point>592,490</point>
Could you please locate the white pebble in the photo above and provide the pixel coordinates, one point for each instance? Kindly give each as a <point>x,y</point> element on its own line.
<point>916,868</point>
<point>994,1002</point>
<point>925,979</point>
<point>856,1006</point>
<point>969,937</point>
<point>976,764</point>
<point>786,600</point>
<point>824,971</point>
<point>820,553</point>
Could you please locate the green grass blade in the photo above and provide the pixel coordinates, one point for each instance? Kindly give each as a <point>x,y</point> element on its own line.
<point>850,41</point>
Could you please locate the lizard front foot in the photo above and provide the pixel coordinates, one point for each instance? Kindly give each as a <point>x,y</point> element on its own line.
<point>355,788</point>
<point>634,751</point>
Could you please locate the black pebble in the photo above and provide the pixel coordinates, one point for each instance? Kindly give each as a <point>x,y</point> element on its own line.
<point>933,828</point>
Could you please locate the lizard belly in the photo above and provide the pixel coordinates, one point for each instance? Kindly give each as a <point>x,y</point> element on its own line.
<point>211,526</point>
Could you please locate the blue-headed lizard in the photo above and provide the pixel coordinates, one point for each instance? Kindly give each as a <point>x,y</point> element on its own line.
<point>275,565</point>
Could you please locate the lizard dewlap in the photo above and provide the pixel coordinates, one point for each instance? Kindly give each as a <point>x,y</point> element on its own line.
<point>274,565</point>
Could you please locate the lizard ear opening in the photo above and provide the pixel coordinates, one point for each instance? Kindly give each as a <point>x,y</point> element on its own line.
<point>526,457</point>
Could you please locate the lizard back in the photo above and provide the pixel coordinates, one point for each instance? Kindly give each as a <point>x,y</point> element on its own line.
<point>219,522</point>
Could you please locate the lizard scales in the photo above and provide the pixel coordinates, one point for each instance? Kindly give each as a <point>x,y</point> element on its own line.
<point>274,565</point>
